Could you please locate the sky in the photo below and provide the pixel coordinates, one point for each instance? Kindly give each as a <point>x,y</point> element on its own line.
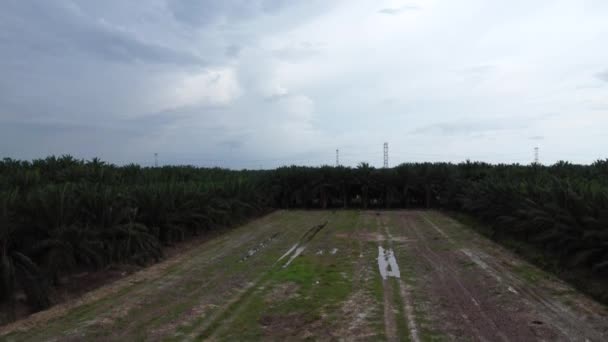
<point>264,83</point>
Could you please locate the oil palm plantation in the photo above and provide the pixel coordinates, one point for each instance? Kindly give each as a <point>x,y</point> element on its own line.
<point>61,215</point>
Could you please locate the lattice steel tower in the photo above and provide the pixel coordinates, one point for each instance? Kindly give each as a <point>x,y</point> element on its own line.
<point>385,155</point>
<point>536,155</point>
<point>337,157</point>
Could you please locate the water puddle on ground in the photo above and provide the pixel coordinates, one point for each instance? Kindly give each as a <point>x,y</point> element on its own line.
<point>387,263</point>
<point>295,255</point>
<point>288,252</point>
<point>299,246</point>
<point>295,251</point>
<point>251,252</point>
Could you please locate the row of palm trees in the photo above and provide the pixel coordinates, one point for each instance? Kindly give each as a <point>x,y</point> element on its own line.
<point>61,215</point>
<point>361,187</point>
<point>563,218</point>
<point>558,211</point>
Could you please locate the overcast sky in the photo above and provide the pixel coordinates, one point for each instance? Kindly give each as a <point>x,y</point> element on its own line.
<point>261,83</point>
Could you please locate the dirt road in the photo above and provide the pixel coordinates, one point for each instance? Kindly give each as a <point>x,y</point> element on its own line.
<point>323,275</point>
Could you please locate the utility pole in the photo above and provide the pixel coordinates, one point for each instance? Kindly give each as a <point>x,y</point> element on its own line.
<point>337,157</point>
<point>536,155</point>
<point>155,159</point>
<point>385,155</point>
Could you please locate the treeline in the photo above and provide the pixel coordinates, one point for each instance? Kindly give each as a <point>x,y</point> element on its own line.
<point>61,215</point>
<point>557,215</point>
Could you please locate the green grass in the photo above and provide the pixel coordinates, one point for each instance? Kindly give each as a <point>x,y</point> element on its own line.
<point>323,282</point>
<point>241,300</point>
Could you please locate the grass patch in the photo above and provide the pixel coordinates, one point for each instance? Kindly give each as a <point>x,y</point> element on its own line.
<point>321,282</point>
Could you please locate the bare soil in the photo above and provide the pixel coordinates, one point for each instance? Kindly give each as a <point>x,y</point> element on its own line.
<point>441,281</point>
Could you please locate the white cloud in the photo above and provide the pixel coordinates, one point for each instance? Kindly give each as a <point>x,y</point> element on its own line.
<point>270,80</point>
<point>210,87</point>
<point>298,108</point>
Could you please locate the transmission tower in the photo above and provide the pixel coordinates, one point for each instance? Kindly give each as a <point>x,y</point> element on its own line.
<point>536,155</point>
<point>337,157</point>
<point>155,159</point>
<point>385,155</point>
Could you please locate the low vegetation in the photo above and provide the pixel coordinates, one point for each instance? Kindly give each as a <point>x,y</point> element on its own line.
<point>59,216</point>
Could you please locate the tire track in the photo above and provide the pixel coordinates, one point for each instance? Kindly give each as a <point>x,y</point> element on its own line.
<point>237,303</point>
<point>388,267</point>
<point>203,298</point>
<point>470,308</point>
<point>151,310</point>
<point>137,291</point>
<point>573,325</point>
<point>300,246</point>
<point>557,320</point>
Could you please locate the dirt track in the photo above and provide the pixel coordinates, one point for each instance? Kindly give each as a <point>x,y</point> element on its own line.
<point>391,275</point>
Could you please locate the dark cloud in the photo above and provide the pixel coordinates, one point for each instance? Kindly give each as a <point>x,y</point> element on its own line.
<point>399,10</point>
<point>124,79</point>
<point>233,50</point>
<point>204,13</point>
<point>233,143</point>
<point>54,138</point>
<point>115,45</point>
<point>603,76</point>
<point>119,140</point>
<point>46,28</point>
<point>274,6</point>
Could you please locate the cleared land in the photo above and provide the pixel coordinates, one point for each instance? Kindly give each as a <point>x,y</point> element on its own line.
<point>322,275</point>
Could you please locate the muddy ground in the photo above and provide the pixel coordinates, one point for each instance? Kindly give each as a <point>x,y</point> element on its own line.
<point>323,275</point>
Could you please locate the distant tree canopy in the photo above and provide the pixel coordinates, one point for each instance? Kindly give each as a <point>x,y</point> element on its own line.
<point>62,215</point>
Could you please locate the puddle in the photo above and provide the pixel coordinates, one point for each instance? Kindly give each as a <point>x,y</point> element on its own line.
<point>299,246</point>
<point>298,251</point>
<point>288,252</point>
<point>377,237</point>
<point>387,263</point>
<point>251,252</point>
